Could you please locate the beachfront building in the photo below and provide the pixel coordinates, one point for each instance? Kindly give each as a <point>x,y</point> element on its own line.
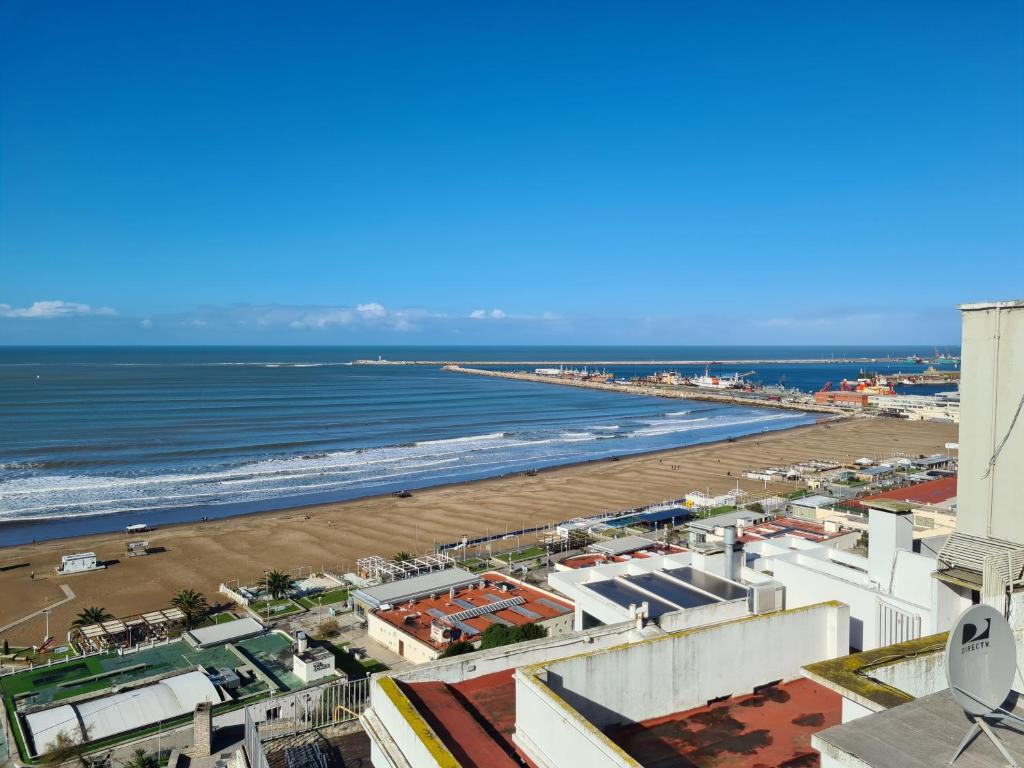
<point>370,598</point>
<point>421,628</point>
<point>618,696</point>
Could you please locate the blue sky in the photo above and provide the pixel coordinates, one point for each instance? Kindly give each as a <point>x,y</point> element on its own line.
<point>683,173</point>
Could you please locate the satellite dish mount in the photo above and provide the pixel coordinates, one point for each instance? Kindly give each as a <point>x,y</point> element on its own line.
<point>981,664</point>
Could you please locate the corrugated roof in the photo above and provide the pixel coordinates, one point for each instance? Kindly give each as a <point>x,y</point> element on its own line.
<point>622,545</point>
<point>215,634</point>
<point>415,586</point>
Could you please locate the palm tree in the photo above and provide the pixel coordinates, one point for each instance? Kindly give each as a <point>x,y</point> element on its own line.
<point>141,759</point>
<point>91,615</point>
<point>401,557</point>
<point>277,583</point>
<point>193,604</point>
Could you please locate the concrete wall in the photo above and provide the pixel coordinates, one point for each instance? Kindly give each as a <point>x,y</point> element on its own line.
<point>991,385</point>
<point>702,616</point>
<point>390,636</point>
<point>681,671</point>
<point>811,578</point>
<point>397,732</point>
<point>554,736</point>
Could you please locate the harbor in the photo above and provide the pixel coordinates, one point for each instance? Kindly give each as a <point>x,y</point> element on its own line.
<point>748,361</point>
<point>785,399</point>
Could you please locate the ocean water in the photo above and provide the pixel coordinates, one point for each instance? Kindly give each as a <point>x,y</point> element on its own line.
<point>92,439</point>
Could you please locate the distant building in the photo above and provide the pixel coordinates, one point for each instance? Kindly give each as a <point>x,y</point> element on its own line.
<point>842,399</point>
<point>78,563</point>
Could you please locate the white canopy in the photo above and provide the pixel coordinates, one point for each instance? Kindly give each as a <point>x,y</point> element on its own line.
<point>121,712</point>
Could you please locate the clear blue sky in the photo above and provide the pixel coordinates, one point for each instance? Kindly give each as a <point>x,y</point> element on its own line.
<point>791,172</point>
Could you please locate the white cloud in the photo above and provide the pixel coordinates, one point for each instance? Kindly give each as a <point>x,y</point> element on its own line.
<point>51,309</point>
<point>483,314</point>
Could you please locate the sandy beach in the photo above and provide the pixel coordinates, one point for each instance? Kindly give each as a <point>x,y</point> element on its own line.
<point>332,536</point>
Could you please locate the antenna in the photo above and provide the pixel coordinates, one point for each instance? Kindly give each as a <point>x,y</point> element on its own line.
<point>981,663</point>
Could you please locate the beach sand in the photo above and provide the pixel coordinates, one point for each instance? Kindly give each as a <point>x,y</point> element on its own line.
<point>332,536</point>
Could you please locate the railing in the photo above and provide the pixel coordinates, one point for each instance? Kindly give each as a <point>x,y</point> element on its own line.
<point>307,710</point>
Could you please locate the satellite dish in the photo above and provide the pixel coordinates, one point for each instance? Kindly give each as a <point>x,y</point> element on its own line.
<point>981,660</point>
<point>981,664</point>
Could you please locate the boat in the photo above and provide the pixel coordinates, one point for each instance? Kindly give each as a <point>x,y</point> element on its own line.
<point>707,381</point>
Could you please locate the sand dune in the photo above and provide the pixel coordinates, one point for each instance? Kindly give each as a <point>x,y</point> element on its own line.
<point>332,536</point>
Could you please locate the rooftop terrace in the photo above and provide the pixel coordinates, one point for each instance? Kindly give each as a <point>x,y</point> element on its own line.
<point>532,605</point>
<point>475,718</point>
<point>771,727</point>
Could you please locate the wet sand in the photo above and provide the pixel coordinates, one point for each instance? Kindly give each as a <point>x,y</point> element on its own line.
<point>332,536</point>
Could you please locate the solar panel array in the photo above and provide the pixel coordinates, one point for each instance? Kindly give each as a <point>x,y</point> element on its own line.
<point>516,608</point>
<point>479,610</point>
<point>462,626</point>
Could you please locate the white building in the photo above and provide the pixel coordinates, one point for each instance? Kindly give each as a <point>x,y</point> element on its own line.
<point>891,592</point>
<point>78,563</point>
<point>590,699</point>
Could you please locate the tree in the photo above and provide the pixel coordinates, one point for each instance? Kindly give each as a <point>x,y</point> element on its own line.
<point>142,759</point>
<point>193,604</point>
<point>277,583</point>
<point>498,635</point>
<point>91,615</point>
<point>457,648</point>
<point>401,557</point>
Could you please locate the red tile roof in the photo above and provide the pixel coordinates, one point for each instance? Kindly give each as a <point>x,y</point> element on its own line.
<point>770,728</point>
<point>475,718</point>
<point>791,526</point>
<point>930,492</point>
<point>414,618</point>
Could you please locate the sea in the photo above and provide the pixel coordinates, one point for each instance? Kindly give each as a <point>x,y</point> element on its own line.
<point>96,438</point>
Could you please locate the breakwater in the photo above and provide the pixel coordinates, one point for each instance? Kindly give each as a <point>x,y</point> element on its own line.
<point>729,397</point>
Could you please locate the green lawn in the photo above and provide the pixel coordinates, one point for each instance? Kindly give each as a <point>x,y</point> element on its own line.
<point>283,606</point>
<point>338,595</point>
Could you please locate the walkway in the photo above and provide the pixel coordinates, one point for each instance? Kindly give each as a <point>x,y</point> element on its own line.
<point>68,596</point>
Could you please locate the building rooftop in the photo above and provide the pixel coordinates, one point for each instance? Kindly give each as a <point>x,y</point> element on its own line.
<point>815,500</point>
<point>771,727</point>
<point>923,732</point>
<point>730,518</point>
<point>791,526</point>
<point>216,634</point>
<point>622,545</point>
<point>531,605</point>
<point>475,718</point>
<point>653,549</point>
<point>414,586</point>
<point>931,492</point>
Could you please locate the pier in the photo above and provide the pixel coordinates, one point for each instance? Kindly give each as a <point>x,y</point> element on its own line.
<point>751,361</point>
<point>729,397</point>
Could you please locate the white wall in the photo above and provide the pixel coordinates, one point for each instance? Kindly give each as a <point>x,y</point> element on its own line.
<point>390,636</point>
<point>702,616</point>
<point>810,580</point>
<point>991,384</point>
<point>681,671</point>
<point>555,737</point>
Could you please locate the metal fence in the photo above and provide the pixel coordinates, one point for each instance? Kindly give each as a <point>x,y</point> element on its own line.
<point>306,710</point>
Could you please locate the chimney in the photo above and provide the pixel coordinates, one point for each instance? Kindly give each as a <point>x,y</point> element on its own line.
<point>729,544</point>
<point>890,529</point>
<point>301,642</point>
<point>202,730</point>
